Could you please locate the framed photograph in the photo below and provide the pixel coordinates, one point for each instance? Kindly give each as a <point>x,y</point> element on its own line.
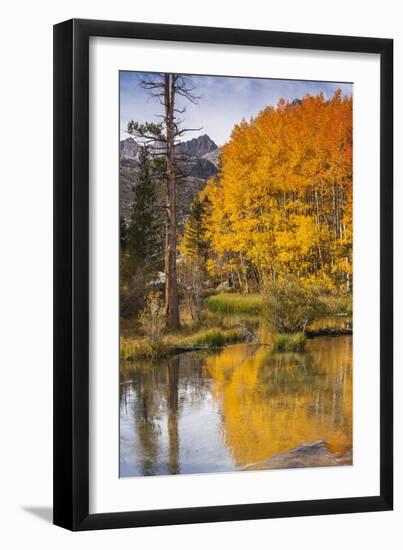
<point>223,321</point>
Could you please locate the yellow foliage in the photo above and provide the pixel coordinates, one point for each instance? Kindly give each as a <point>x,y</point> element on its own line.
<point>282,201</point>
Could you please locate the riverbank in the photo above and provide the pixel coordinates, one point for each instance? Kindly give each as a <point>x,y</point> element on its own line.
<point>132,348</point>
<point>135,348</point>
<point>231,318</point>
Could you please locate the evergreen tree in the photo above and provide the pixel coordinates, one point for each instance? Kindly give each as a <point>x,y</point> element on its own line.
<point>194,242</point>
<point>143,234</point>
<point>122,234</point>
<point>194,247</point>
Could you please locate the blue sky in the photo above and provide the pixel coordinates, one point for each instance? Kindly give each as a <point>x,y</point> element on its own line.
<point>223,102</point>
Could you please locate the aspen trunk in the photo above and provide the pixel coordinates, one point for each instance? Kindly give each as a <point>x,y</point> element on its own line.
<point>318,224</point>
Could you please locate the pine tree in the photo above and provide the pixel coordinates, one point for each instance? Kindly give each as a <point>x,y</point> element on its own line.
<point>122,234</point>
<point>194,248</point>
<point>194,242</point>
<point>143,233</point>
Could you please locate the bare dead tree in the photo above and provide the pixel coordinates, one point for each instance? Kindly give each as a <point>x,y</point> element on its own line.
<point>166,137</point>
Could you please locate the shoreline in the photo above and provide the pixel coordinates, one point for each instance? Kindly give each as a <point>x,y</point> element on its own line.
<point>173,350</point>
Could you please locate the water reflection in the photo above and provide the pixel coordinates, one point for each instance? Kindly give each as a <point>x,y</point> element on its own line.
<point>211,412</point>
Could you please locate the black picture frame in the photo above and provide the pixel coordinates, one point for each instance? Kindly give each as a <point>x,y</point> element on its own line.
<point>71,274</point>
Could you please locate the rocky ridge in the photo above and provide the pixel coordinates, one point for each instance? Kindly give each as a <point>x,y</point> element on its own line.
<point>203,156</point>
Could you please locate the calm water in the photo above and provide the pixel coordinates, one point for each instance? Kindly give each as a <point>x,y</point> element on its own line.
<point>225,411</point>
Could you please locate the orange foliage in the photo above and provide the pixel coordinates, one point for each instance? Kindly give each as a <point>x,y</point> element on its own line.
<point>282,201</point>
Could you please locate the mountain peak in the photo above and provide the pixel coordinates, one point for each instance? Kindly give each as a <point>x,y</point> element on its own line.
<point>199,146</point>
<point>129,148</point>
<point>196,147</point>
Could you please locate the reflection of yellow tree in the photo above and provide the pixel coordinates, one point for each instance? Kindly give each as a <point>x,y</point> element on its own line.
<point>271,404</point>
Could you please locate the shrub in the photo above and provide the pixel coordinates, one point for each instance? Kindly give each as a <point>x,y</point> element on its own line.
<point>191,281</point>
<point>289,342</point>
<point>132,292</point>
<point>338,305</point>
<point>290,305</point>
<point>152,318</point>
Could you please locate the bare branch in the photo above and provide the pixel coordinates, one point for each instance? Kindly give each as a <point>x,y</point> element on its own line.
<point>152,84</point>
<point>184,130</point>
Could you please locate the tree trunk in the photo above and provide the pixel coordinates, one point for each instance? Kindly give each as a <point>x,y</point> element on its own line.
<point>171,285</point>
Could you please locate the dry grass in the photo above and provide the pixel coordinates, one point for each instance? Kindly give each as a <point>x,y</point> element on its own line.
<point>212,338</point>
<point>132,348</point>
<point>232,303</point>
<point>288,342</point>
<point>338,305</point>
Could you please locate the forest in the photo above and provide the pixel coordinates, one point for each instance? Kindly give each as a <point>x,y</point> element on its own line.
<point>281,204</point>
